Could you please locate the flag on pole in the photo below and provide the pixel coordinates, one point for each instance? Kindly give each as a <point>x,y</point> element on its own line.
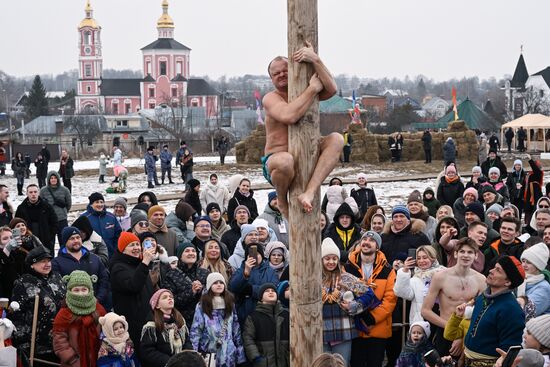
<point>258,98</point>
<point>455,109</point>
<point>355,114</point>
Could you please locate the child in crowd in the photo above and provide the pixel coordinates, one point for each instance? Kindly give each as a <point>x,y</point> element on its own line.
<point>117,349</point>
<point>215,325</point>
<point>165,335</point>
<point>103,162</point>
<point>416,346</point>
<point>76,327</point>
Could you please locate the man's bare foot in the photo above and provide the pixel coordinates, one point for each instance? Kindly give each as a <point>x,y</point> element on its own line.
<point>306,199</point>
<point>282,205</point>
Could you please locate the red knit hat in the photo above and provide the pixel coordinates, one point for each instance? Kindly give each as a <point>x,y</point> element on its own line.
<point>125,239</point>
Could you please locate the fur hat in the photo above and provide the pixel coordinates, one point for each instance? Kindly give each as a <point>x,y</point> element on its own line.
<point>107,323</point>
<point>67,232</point>
<point>155,208</point>
<point>415,197</point>
<point>125,239</point>
<point>154,301</point>
<point>121,201</point>
<point>537,255</point>
<point>375,236</point>
<point>213,278</point>
<point>471,190</point>
<point>37,254</point>
<point>401,209</point>
<point>213,206</point>
<point>513,269</point>
<point>328,247</point>
<point>477,209</point>
<point>239,208</point>
<point>424,325</point>
<point>538,327</point>
<point>95,196</point>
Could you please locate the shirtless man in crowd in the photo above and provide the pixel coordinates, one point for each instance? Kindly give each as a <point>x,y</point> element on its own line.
<point>278,163</point>
<point>453,286</point>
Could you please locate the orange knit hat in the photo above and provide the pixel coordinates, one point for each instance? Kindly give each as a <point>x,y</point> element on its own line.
<point>125,239</point>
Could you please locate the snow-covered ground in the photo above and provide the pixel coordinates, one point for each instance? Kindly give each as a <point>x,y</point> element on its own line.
<point>83,185</point>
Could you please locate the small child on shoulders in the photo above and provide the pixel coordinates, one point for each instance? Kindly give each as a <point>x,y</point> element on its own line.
<point>117,349</point>
<point>416,346</point>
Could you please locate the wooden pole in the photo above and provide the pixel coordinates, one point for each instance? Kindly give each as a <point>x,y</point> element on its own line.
<point>34,326</point>
<point>306,324</point>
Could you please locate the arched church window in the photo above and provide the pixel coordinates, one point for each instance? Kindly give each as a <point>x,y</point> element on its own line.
<point>163,68</point>
<point>87,38</point>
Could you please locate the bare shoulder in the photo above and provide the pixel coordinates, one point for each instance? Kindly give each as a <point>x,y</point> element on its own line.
<point>272,98</point>
<point>480,279</point>
<point>438,279</point>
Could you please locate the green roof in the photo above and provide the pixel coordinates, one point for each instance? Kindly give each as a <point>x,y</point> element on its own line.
<point>335,104</point>
<point>474,117</point>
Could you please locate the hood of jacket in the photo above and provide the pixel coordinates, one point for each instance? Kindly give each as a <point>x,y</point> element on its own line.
<point>415,226</point>
<point>50,174</point>
<point>334,194</point>
<point>428,190</point>
<point>83,223</point>
<point>344,209</point>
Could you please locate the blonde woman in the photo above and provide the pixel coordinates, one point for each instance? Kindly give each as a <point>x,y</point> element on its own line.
<point>413,285</point>
<point>213,260</point>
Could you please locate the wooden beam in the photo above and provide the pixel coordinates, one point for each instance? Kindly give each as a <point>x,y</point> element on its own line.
<point>306,323</point>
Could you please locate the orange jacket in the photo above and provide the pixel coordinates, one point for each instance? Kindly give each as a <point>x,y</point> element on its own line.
<point>381,281</point>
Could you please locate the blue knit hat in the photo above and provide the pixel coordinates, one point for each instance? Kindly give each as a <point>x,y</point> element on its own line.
<point>67,233</point>
<point>401,209</point>
<point>272,195</point>
<point>204,218</point>
<point>246,229</point>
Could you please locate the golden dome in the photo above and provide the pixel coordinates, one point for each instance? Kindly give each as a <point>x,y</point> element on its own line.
<point>89,21</point>
<point>165,20</point>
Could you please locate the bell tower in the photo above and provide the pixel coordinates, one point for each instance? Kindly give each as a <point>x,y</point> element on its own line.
<point>90,64</point>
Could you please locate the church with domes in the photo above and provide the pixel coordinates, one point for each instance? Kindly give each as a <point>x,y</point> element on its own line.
<point>166,74</point>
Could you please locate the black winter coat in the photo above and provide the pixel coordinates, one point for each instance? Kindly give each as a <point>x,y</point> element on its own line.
<point>231,237</point>
<point>41,167</point>
<point>333,234</point>
<point>427,140</point>
<point>447,193</point>
<point>400,242</point>
<point>52,293</point>
<point>179,282</point>
<point>239,199</point>
<point>41,220</point>
<point>7,215</point>
<point>497,162</point>
<point>155,345</point>
<point>131,289</point>
<point>364,197</point>
<point>192,198</point>
<point>514,177</point>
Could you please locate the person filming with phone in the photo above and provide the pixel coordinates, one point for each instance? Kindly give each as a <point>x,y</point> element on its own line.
<point>250,276</point>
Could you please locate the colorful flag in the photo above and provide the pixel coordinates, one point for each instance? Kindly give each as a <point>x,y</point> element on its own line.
<point>455,109</point>
<point>258,98</point>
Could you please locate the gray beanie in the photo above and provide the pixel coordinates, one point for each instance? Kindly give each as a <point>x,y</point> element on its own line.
<point>121,201</point>
<point>538,327</point>
<point>137,215</point>
<point>531,358</point>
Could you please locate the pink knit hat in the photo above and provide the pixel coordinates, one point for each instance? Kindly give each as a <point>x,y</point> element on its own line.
<point>471,190</point>
<point>156,296</point>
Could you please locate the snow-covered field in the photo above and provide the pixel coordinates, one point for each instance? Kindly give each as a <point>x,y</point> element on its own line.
<point>388,194</point>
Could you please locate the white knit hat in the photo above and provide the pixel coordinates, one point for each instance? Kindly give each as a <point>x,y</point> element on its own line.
<point>361,175</point>
<point>213,278</point>
<point>494,169</point>
<point>537,255</point>
<point>518,161</point>
<point>328,247</point>
<point>538,327</point>
<point>260,223</point>
<point>424,325</point>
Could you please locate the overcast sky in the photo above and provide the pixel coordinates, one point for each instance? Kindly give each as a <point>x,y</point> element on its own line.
<point>368,38</point>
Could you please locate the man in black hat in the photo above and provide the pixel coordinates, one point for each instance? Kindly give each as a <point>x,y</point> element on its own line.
<point>493,160</point>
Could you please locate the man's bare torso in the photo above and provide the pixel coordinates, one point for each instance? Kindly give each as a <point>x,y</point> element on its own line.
<point>457,290</point>
<point>276,133</point>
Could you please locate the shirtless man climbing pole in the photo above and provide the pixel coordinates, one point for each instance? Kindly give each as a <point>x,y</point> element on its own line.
<point>278,163</point>
<point>453,286</point>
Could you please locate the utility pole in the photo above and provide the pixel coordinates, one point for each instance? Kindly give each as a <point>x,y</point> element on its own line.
<point>306,322</point>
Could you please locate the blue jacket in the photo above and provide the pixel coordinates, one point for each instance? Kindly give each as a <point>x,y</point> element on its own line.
<point>165,159</point>
<point>497,322</point>
<point>150,162</point>
<point>247,290</point>
<point>65,264</point>
<point>538,293</point>
<point>106,225</point>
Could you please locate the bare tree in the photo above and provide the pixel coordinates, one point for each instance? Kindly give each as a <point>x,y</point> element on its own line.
<point>536,101</point>
<point>85,127</point>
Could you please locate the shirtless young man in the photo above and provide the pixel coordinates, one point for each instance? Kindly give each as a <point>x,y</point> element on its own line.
<point>452,287</point>
<point>278,163</point>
